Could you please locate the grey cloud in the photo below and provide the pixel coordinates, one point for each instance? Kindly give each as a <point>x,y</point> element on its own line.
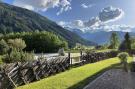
<point>110,14</point>
<point>92,21</point>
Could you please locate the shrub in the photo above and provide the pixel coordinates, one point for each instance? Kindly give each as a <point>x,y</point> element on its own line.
<point>1,62</point>
<point>12,51</point>
<point>61,52</point>
<point>123,58</point>
<point>17,56</point>
<point>3,47</point>
<point>27,56</point>
<point>17,43</point>
<point>42,57</point>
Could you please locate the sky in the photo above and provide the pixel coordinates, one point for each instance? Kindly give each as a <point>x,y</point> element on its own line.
<point>84,14</point>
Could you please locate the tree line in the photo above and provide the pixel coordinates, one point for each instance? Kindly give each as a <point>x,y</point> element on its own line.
<point>39,42</point>
<point>126,45</point>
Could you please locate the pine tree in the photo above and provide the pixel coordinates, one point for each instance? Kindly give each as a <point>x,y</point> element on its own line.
<point>126,44</point>
<point>128,41</point>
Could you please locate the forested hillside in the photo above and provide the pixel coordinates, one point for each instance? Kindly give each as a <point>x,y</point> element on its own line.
<point>16,19</point>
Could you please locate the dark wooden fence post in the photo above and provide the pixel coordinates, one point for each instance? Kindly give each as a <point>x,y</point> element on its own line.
<point>69,56</point>
<point>81,53</point>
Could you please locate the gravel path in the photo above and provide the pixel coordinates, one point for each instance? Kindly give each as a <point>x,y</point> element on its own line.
<point>114,79</point>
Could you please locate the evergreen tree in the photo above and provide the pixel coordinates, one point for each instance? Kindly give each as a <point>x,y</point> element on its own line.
<point>126,44</point>
<point>128,41</point>
<point>114,41</point>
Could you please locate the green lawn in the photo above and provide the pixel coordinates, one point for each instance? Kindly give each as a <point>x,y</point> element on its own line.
<point>75,78</point>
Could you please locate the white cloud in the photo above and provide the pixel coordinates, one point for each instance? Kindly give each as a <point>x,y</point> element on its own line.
<point>100,23</point>
<point>64,24</point>
<point>87,6</point>
<point>61,23</point>
<point>81,24</point>
<point>106,15</point>
<point>92,22</point>
<point>43,5</point>
<point>105,27</point>
<point>28,7</point>
<point>78,23</point>
<point>65,6</point>
<point>110,14</point>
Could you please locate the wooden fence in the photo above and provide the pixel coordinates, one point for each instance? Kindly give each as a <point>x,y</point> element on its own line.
<point>17,74</point>
<point>95,57</point>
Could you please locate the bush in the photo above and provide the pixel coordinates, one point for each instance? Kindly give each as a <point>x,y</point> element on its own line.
<point>3,47</point>
<point>42,57</point>
<point>123,58</point>
<point>17,43</point>
<point>16,56</point>
<point>12,51</point>
<point>61,52</point>
<point>1,62</point>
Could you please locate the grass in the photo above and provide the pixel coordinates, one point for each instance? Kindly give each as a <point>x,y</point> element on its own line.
<point>106,50</point>
<point>75,78</point>
<point>92,49</point>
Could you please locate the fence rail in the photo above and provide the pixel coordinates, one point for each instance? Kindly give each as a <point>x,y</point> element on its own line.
<point>16,74</point>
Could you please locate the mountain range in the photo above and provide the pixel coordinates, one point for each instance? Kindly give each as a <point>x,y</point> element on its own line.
<point>100,37</point>
<point>16,19</point>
